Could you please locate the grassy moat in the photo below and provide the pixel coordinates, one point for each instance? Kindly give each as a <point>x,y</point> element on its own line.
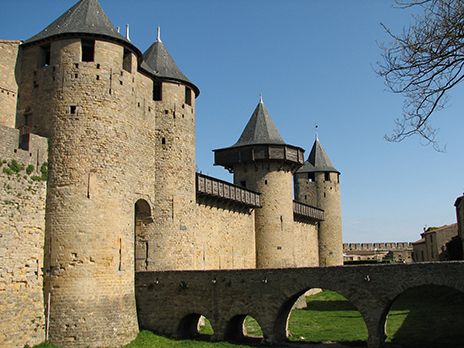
<point>427,316</point>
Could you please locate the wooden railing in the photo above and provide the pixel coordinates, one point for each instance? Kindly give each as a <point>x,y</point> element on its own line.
<point>213,187</point>
<point>308,211</point>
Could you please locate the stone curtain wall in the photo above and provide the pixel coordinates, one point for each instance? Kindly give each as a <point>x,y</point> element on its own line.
<point>8,85</point>
<point>22,225</point>
<point>226,238</point>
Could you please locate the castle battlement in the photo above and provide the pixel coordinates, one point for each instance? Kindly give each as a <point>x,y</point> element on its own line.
<point>377,246</point>
<point>117,128</point>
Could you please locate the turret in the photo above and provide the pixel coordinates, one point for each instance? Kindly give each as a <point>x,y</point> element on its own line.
<point>77,88</point>
<point>317,184</point>
<point>263,162</point>
<point>172,230</point>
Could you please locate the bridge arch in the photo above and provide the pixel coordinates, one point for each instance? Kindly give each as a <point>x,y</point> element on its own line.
<point>269,294</point>
<point>190,326</point>
<point>236,331</point>
<point>443,303</point>
<point>280,330</point>
<point>281,324</point>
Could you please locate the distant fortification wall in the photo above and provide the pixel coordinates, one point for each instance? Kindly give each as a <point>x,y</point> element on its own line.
<point>22,226</point>
<point>378,246</point>
<point>8,85</point>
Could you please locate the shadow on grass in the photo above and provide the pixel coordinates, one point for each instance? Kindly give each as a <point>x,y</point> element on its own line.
<point>435,319</point>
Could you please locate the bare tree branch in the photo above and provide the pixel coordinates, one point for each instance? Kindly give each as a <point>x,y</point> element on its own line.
<point>423,64</point>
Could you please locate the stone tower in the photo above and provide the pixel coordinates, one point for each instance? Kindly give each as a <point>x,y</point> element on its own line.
<point>263,162</point>
<point>317,184</point>
<point>77,87</point>
<point>164,242</point>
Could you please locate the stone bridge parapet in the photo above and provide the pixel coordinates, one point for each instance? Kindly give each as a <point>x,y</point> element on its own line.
<point>171,302</point>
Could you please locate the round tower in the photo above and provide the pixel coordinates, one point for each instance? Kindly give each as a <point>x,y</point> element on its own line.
<point>169,240</point>
<point>317,184</point>
<point>263,162</point>
<point>77,88</point>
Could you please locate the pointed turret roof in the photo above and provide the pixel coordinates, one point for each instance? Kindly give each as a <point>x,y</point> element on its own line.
<point>85,17</point>
<point>318,161</point>
<point>159,62</point>
<point>260,141</point>
<point>260,129</point>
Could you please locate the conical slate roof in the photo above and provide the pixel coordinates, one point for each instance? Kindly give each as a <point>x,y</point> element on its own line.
<point>159,62</point>
<point>260,141</point>
<point>260,129</point>
<point>86,17</point>
<point>318,161</point>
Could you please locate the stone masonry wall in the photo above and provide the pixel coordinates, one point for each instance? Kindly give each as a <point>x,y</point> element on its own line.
<point>173,230</point>
<point>166,301</point>
<point>101,163</point>
<point>22,228</point>
<point>306,243</point>
<point>324,194</point>
<point>225,238</point>
<point>8,85</point>
<point>275,232</point>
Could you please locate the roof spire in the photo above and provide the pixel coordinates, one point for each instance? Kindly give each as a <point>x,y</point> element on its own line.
<point>261,98</point>
<point>127,32</point>
<point>158,38</point>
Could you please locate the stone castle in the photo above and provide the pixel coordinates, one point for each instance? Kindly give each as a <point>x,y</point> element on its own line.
<point>98,182</point>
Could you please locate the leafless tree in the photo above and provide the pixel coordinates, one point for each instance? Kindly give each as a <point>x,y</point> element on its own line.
<point>423,63</point>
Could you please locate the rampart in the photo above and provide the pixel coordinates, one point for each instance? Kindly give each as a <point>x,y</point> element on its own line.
<point>378,246</point>
<point>22,226</point>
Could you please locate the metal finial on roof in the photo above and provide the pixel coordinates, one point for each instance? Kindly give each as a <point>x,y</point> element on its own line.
<point>261,98</point>
<point>118,29</point>
<point>317,137</point>
<point>127,32</point>
<point>158,38</point>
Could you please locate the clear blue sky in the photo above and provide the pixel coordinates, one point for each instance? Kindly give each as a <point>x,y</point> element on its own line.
<point>313,62</point>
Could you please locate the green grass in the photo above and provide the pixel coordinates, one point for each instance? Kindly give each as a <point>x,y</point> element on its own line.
<point>426,317</point>
<point>329,317</point>
<point>146,339</point>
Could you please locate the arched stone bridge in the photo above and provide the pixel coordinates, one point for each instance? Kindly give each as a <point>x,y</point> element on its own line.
<point>171,302</point>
